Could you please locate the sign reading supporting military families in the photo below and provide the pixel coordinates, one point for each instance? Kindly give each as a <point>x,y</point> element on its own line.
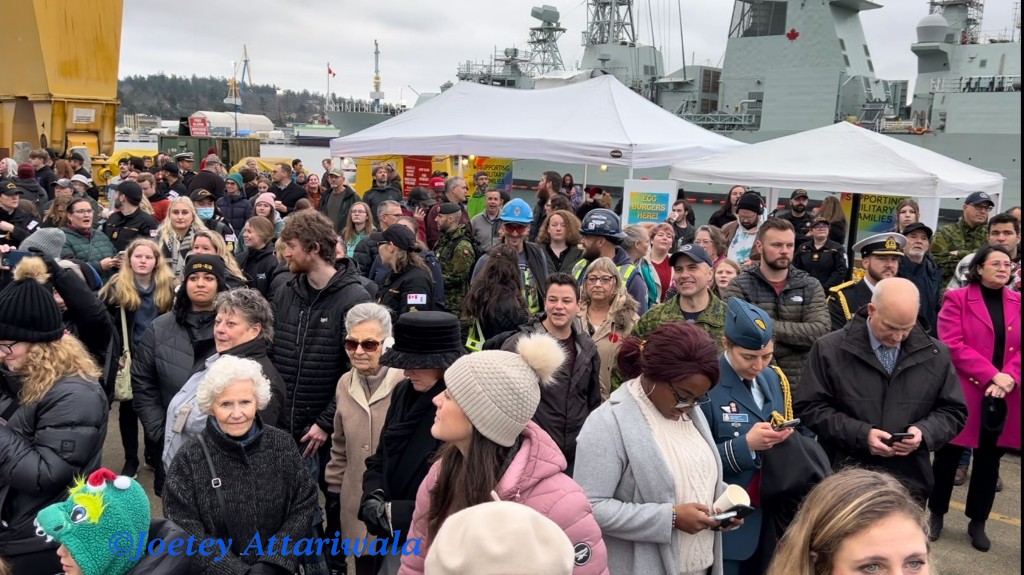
<point>647,201</point>
<point>877,212</point>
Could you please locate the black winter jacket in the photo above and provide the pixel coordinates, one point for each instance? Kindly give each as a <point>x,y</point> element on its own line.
<point>571,397</point>
<point>33,192</point>
<point>289,194</point>
<point>366,252</point>
<point>265,488</point>
<point>43,448</point>
<point>259,267</point>
<point>46,178</point>
<point>377,194</point>
<point>309,329</point>
<point>800,314</point>
<point>164,563</point>
<point>87,319</point>
<point>167,356</point>
<point>123,229</point>
<point>405,452</point>
<point>236,210</point>
<point>846,392</point>
<point>411,289</point>
<point>21,220</point>
<point>827,265</point>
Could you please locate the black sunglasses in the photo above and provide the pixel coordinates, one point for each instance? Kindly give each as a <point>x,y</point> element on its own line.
<point>368,345</point>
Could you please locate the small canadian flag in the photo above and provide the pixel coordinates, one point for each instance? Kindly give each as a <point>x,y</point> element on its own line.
<point>330,72</point>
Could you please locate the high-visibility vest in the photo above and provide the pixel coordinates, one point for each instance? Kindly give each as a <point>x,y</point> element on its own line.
<point>626,271</point>
<point>530,293</point>
<point>475,340</point>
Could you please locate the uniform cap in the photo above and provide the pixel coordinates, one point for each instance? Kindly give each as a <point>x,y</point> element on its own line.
<point>888,244</point>
<point>747,325</point>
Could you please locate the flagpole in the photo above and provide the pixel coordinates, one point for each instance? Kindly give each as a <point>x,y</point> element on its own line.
<point>327,96</point>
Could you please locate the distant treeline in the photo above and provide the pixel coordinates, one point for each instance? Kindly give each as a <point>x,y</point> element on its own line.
<point>170,97</point>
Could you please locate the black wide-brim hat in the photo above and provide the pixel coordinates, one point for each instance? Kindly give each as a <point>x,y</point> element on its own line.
<point>425,340</point>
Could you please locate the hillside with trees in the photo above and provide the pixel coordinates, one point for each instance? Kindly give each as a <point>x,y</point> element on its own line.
<point>171,97</point>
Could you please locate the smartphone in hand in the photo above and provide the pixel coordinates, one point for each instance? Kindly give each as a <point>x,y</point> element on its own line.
<point>792,423</point>
<point>897,437</point>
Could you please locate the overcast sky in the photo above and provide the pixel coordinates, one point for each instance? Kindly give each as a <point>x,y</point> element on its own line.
<point>423,42</point>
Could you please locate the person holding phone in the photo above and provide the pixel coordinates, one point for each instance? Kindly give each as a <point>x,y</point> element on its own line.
<point>880,375</point>
<point>647,460</point>
<point>739,414</point>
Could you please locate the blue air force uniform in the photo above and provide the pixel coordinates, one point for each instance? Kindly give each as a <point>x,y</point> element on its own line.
<point>734,408</point>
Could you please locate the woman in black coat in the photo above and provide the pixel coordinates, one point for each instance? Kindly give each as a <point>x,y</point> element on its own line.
<point>264,488</point>
<point>258,262</point>
<point>410,285</point>
<point>55,415</point>
<point>426,344</point>
<point>174,347</point>
<point>494,304</point>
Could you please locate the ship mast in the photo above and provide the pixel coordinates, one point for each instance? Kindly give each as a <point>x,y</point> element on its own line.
<point>545,55</point>
<point>964,16</point>
<point>376,95</point>
<point>609,21</point>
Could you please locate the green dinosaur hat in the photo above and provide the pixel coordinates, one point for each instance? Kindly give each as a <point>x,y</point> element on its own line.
<point>91,522</point>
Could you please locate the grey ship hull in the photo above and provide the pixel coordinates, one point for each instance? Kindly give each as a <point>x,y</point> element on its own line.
<point>352,122</point>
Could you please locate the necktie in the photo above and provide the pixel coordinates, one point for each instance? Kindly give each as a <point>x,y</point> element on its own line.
<point>887,355</point>
<point>756,392</point>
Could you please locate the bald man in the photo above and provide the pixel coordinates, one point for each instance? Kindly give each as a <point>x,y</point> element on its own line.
<point>880,392</point>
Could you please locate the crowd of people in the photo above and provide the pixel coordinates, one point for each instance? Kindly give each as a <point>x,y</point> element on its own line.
<point>665,398</point>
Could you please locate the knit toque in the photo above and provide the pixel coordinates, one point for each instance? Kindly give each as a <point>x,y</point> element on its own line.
<point>50,241</point>
<point>499,390</point>
<point>28,311</point>
<point>500,537</point>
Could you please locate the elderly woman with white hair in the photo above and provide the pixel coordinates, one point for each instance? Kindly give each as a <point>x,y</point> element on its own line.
<point>263,488</point>
<point>363,398</point>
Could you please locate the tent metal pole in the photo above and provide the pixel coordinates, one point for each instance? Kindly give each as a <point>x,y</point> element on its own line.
<point>585,168</point>
<point>852,237</point>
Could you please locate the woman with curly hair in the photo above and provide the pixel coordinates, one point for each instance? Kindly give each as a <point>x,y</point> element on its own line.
<point>495,304</point>
<point>142,290</point>
<point>560,237</point>
<point>55,412</point>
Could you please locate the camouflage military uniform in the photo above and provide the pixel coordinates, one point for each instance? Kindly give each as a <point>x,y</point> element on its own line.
<point>711,320</point>
<point>455,252</point>
<point>953,242</point>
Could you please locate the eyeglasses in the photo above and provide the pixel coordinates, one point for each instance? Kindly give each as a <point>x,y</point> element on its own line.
<point>368,345</point>
<point>983,208</point>
<point>515,228</point>
<point>82,212</point>
<point>999,265</point>
<point>682,403</point>
<point>391,215</point>
<point>820,227</point>
<point>600,279</point>
<point>7,348</point>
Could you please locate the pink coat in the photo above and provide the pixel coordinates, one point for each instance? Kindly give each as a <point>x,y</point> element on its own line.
<point>534,478</point>
<point>965,326</point>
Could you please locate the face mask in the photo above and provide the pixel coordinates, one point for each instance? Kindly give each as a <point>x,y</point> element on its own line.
<point>204,213</point>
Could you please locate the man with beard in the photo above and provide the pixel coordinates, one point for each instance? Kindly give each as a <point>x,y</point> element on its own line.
<point>741,234</point>
<point>918,266</point>
<point>456,253</point>
<point>477,201</point>
<point>129,222</point>
<point>793,299</point>
<point>172,185</point>
<point>309,329</point>
<point>338,201</point>
<point>693,302</point>
<point>602,235</point>
<point>575,389</point>
<point>880,255</point>
<point>456,190</point>
<point>515,221</point>
<point>799,216</point>
<point>548,185</point>
<point>382,190</point>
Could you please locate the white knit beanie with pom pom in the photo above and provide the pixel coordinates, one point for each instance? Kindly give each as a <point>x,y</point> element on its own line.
<point>499,390</point>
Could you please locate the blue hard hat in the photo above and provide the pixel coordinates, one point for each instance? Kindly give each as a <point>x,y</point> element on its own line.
<point>517,212</point>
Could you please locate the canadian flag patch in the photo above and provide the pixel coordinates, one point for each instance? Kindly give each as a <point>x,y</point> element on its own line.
<point>416,299</point>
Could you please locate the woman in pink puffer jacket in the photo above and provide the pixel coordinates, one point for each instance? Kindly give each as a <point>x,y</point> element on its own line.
<point>494,451</point>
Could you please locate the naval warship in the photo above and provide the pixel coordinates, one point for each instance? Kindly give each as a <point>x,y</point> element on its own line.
<point>794,65</point>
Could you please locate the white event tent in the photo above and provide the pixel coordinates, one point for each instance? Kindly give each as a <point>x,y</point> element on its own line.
<point>598,121</point>
<point>845,158</point>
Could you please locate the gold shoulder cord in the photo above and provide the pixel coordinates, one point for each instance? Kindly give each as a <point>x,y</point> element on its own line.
<point>778,418</point>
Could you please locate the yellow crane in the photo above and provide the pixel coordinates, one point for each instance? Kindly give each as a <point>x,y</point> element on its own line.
<point>58,88</point>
